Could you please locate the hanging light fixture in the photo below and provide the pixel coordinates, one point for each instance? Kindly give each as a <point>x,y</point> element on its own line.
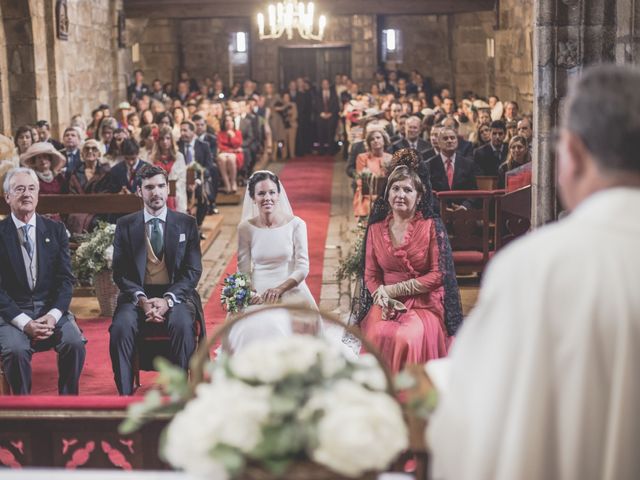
<point>289,15</point>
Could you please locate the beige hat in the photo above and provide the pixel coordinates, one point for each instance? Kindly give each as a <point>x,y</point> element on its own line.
<point>7,148</point>
<point>28,158</point>
<point>370,113</point>
<point>481,105</point>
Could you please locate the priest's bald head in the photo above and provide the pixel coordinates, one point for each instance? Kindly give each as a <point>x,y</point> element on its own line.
<point>599,145</point>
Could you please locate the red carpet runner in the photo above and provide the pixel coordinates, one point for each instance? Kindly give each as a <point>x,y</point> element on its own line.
<point>308,184</point>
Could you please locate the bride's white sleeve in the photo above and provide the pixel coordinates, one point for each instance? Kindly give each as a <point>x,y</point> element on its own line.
<point>244,248</point>
<point>300,252</point>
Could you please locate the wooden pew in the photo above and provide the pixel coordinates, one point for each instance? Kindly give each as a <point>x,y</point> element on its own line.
<point>84,203</point>
<point>513,215</point>
<point>76,432</point>
<point>469,230</point>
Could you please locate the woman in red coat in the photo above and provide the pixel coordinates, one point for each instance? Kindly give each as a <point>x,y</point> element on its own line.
<point>230,158</point>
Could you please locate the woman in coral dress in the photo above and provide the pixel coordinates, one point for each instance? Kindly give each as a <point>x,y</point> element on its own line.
<point>411,305</point>
<point>369,166</point>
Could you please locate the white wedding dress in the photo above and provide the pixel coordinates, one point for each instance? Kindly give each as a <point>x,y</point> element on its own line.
<point>271,256</point>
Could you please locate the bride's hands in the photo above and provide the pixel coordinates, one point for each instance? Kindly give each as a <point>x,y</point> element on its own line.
<point>255,299</point>
<point>271,295</point>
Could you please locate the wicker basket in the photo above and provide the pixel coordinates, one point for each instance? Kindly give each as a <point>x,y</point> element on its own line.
<point>303,469</point>
<point>106,292</point>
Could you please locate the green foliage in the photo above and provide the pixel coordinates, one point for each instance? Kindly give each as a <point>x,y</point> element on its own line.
<point>95,253</point>
<point>351,264</point>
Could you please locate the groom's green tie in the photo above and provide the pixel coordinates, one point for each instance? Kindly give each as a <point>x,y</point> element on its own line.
<point>156,237</point>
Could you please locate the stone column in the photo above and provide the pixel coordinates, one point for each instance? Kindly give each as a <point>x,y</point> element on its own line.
<point>568,35</point>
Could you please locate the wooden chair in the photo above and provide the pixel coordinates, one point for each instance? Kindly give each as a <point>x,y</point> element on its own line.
<point>468,230</point>
<point>513,215</point>
<point>5,389</point>
<point>153,341</point>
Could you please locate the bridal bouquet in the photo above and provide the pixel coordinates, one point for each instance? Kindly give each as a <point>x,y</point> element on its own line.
<point>282,403</point>
<point>236,292</point>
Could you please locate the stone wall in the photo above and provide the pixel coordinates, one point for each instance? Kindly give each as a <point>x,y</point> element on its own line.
<point>21,69</point>
<point>5,107</point>
<point>200,46</point>
<point>472,69</point>
<point>425,46</point>
<point>89,67</point>
<point>514,53</point>
<point>358,31</point>
<point>54,79</point>
<point>159,49</point>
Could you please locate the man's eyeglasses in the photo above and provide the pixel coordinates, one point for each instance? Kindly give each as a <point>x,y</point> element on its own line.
<point>21,189</point>
<point>91,149</point>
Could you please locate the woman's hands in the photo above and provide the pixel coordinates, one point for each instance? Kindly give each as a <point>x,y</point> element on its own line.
<point>272,295</point>
<point>255,299</point>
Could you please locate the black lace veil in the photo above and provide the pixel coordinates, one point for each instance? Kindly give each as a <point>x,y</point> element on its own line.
<point>362,300</point>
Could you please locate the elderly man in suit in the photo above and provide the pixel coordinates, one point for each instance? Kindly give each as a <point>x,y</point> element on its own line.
<point>412,138</point>
<point>36,284</point>
<point>449,170</point>
<point>157,265</point>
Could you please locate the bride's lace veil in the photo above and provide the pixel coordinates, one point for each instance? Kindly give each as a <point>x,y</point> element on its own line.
<point>250,209</point>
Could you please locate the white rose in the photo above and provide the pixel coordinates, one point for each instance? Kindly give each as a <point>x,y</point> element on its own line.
<point>108,255</point>
<point>273,359</point>
<point>369,373</point>
<point>359,431</point>
<point>226,412</point>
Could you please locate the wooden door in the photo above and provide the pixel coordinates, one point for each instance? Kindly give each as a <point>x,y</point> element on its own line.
<point>313,63</point>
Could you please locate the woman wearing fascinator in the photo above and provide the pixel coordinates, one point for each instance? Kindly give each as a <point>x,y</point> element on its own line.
<point>409,304</point>
<point>273,251</point>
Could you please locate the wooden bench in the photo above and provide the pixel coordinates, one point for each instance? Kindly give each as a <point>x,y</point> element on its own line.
<point>513,215</point>
<point>84,203</point>
<point>76,432</point>
<point>469,230</point>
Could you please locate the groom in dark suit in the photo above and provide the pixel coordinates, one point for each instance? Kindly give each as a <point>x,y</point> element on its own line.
<point>36,284</point>
<point>157,265</point>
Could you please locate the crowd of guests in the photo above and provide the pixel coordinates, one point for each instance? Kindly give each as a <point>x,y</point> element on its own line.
<point>204,137</point>
<point>456,140</point>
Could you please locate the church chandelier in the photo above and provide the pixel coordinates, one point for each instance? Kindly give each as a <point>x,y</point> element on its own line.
<point>288,16</point>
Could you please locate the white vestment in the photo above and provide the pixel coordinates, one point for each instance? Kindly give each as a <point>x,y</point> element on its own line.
<point>543,381</point>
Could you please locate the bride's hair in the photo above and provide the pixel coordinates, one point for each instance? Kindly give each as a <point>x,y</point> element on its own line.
<point>259,177</point>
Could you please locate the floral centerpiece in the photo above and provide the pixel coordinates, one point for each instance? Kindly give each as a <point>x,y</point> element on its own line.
<point>236,292</point>
<point>91,264</point>
<point>95,252</point>
<point>276,405</point>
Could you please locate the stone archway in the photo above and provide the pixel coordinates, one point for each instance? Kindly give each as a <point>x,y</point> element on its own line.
<point>18,79</point>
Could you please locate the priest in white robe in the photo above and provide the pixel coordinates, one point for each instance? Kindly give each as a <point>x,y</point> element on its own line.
<point>544,380</point>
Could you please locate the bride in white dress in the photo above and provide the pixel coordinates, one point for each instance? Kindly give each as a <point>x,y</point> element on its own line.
<point>273,250</point>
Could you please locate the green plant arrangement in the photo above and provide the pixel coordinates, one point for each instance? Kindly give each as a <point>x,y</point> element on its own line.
<point>351,263</point>
<point>95,253</point>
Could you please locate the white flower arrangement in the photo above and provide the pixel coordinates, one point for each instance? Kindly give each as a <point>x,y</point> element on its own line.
<point>95,253</point>
<point>281,401</point>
